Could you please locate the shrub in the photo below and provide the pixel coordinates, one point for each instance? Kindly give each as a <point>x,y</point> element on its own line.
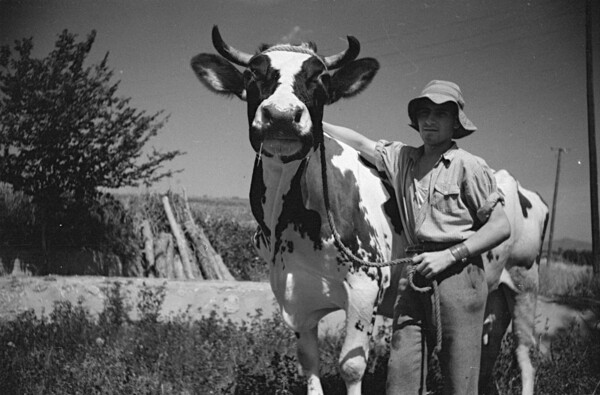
<point>17,216</point>
<point>116,309</point>
<point>101,224</point>
<point>150,302</point>
<point>236,249</point>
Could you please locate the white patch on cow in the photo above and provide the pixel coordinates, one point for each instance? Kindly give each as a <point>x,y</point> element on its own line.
<point>506,279</point>
<point>289,287</point>
<point>283,99</point>
<point>277,177</point>
<point>354,88</point>
<point>213,79</point>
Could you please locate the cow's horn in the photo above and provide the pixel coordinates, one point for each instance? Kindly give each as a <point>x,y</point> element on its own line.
<point>233,55</point>
<point>339,60</point>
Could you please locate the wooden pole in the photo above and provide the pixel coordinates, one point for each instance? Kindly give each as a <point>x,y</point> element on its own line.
<point>182,246</point>
<point>551,235</point>
<point>211,262</point>
<point>164,257</point>
<point>592,138</point>
<point>150,268</point>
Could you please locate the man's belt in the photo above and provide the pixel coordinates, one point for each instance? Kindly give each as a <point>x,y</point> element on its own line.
<point>429,247</point>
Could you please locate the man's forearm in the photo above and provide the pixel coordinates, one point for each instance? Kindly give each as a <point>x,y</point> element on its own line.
<point>362,144</point>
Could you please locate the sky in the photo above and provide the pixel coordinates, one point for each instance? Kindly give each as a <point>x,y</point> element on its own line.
<point>520,65</point>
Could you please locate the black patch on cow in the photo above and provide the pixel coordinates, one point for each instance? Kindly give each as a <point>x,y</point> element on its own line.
<point>231,80</point>
<point>490,255</point>
<point>309,87</point>
<point>306,222</point>
<point>257,199</point>
<point>359,326</point>
<point>297,335</point>
<point>524,203</point>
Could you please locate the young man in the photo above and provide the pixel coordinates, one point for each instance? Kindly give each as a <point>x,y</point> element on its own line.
<point>452,213</point>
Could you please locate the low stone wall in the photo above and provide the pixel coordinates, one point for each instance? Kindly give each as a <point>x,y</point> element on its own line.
<point>235,300</point>
<point>229,299</point>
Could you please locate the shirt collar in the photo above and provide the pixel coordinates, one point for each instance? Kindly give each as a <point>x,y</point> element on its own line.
<point>446,156</point>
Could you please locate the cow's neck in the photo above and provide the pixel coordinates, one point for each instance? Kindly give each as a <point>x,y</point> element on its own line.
<point>278,203</point>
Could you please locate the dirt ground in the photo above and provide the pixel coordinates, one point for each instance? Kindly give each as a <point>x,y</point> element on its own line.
<point>229,299</point>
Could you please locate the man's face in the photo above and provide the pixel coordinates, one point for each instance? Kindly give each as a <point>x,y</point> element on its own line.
<point>436,122</point>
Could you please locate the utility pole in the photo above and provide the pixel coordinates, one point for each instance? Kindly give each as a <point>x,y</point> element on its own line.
<point>549,256</point>
<point>592,139</point>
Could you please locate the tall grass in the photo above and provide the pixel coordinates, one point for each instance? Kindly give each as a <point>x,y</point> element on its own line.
<point>562,280</point>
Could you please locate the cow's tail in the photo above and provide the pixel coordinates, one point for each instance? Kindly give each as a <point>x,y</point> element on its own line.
<point>543,237</point>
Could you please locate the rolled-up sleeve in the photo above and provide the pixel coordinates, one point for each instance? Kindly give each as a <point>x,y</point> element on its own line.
<point>386,156</point>
<point>482,191</point>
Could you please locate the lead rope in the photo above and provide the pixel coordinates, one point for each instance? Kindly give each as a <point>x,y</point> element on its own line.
<point>356,260</point>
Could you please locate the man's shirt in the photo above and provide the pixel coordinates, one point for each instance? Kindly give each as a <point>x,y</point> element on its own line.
<point>460,197</point>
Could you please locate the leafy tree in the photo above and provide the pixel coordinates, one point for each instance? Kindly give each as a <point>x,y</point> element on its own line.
<point>64,132</point>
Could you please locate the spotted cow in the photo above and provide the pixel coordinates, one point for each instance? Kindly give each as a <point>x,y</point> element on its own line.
<point>512,273</point>
<point>286,88</point>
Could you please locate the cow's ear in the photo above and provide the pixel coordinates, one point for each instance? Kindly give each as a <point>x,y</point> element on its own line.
<point>218,75</point>
<point>352,79</point>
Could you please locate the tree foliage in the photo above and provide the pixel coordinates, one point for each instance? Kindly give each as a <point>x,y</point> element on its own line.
<point>64,132</point>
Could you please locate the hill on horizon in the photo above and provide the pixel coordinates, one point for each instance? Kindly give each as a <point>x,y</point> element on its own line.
<point>569,244</point>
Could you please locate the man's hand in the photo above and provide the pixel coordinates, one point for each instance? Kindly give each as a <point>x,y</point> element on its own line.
<point>430,264</point>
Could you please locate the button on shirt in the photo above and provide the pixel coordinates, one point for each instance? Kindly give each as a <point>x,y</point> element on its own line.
<point>459,199</point>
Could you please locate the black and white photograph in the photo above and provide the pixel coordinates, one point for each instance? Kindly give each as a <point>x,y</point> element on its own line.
<point>322,197</point>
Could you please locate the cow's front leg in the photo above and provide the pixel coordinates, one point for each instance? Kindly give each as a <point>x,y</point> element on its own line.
<point>308,357</point>
<point>359,327</point>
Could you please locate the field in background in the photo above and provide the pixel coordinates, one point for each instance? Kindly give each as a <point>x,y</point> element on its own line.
<point>237,209</point>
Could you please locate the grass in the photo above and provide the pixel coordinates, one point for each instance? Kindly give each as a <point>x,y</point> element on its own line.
<point>567,281</point>
<point>69,351</point>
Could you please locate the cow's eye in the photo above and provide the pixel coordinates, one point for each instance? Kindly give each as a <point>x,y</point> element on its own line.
<point>315,78</point>
<point>258,73</point>
<point>249,76</point>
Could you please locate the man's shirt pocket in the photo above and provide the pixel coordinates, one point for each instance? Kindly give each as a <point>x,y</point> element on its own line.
<point>446,197</point>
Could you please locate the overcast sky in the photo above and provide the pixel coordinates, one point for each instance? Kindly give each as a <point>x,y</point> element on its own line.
<point>520,64</point>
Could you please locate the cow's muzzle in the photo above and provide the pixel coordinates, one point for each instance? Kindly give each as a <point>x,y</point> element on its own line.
<point>282,133</point>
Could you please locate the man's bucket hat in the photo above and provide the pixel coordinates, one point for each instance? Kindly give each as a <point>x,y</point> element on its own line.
<point>441,92</point>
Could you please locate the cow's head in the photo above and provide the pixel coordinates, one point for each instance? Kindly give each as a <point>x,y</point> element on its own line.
<point>286,87</point>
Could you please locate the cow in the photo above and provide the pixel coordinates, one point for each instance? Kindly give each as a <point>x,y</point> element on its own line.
<point>511,271</point>
<point>286,88</point>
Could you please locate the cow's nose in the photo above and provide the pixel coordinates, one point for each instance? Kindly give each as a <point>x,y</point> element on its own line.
<point>270,113</point>
<point>298,111</point>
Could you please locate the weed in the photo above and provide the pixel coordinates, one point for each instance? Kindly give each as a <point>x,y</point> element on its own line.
<point>116,309</point>
<point>150,302</point>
